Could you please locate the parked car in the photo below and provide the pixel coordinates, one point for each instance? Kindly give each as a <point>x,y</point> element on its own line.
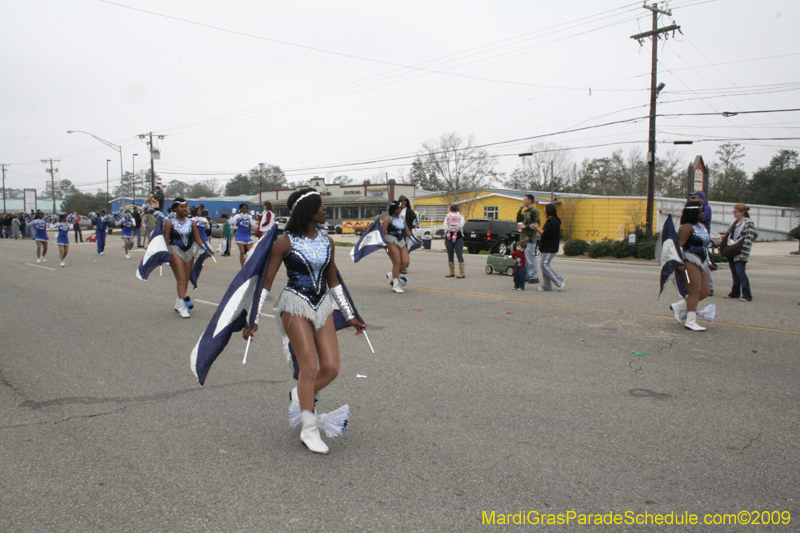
<point>423,233</point>
<point>487,234</point>
<point>281,222</point>
<point>333,228</point>
<point>216,229</point>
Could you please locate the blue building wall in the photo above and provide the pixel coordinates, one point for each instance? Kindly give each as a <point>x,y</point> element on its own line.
<point>215,206</point>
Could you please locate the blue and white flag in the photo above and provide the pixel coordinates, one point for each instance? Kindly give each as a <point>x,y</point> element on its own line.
<point>156,253</point>
<point>671,257</point>
<point>238,308</point>
<point>197,267</point>
<point>370,241</point>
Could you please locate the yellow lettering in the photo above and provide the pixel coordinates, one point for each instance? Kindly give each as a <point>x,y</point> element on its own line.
<point>535,521</point>
<point>630,518</point>
<point>488,519</point>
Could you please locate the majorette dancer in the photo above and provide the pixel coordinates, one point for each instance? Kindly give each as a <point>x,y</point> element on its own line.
<point>398,239</point>
<point>185,244</point>
<point>305,306</point>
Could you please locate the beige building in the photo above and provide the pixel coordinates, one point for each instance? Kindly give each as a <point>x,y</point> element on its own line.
<point>345,202</point>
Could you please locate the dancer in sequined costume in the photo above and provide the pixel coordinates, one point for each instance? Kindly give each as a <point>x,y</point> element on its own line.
<point>185,244</point>
<point>306,304</point>
<point>398,238</point>
<point>693,239</point>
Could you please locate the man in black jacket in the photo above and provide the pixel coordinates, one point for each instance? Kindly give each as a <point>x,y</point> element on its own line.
<point>137,230</point>
<point>159,197</point>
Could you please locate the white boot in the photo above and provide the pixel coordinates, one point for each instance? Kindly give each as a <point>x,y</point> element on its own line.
<point>691,322</point>
<point>309,435</point>
<point>396,285</point>
<point>180,308</point>
<point>677,307</point>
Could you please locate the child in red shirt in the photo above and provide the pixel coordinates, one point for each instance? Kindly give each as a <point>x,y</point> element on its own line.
<point>520,270</point>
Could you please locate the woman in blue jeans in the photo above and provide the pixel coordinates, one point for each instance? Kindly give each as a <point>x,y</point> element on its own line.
<point>454,240</point>
<point>742,228</point>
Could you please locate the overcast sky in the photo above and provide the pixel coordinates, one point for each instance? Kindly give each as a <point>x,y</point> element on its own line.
<point>316,86</point>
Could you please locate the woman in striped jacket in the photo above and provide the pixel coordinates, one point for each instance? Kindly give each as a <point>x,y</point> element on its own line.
<point>741,229</point>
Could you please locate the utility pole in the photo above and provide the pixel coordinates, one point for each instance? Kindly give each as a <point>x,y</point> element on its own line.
<point>52,173</point>
<point>108,201</point>
<point>4,188</point>
<point>654,90</point>
<point>133,178</point>
<point>155,153</point>
<point>260,186</point>
<point>552,179</point>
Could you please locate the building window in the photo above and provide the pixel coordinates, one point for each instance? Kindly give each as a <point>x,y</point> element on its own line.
<point>349,213</point>
<point>491,212</point>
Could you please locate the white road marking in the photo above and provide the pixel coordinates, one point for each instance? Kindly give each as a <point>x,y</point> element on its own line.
<point>39,266</point>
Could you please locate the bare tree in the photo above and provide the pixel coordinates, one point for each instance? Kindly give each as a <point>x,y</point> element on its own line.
<point>568,212</point>
<point>465,202</point>
<point>549,165</point>
<point>457,163</point>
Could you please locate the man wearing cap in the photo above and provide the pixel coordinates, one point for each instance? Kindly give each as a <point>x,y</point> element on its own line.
<point>699,196</point>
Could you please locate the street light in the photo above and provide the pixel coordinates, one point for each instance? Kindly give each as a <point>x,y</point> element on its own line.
<point>116,147</point>
<point>526,154</point>
<point>108,205</point>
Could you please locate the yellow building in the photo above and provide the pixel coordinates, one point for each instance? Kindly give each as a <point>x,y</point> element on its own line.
<point>591,218</point>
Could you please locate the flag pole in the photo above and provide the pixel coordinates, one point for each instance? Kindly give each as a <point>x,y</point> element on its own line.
<point>370,344</point>
<point>246,349</point>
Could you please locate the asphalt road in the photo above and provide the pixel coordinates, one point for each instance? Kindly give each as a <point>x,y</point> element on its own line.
<point>479,398</point>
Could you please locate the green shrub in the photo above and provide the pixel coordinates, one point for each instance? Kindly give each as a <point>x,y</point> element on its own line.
<point>576,247</point>
<point>600,249</point>
<point>717,258</point>
<point>439,233</point>
<point>646,250</point>
<point>621,249</point>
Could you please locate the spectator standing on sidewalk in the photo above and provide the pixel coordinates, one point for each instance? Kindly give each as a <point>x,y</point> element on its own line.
<point>137,229</point>
<point>527,216</point>
<point>149,222</point>
<point>158,196</point>
<point>551,235</point>
<point>15,227</point>
<point>742,229</point>
<point>227,235</point>
<point>77,227</point>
